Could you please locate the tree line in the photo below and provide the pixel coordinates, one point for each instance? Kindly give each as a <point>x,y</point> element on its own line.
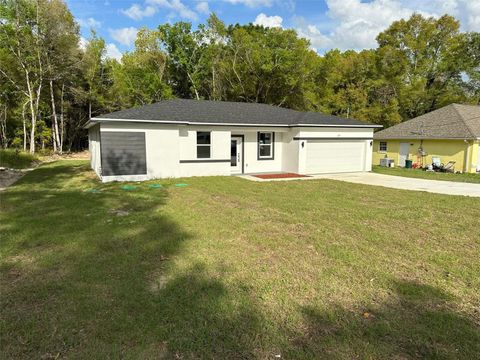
<point>51,84</point>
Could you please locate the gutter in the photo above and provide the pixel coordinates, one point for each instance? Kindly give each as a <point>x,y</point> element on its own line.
<point>421,138</point>
<point>167,122</point>
<point>88,124</point>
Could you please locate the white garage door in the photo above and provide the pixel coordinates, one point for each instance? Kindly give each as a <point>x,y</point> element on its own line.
<point>326,156</point>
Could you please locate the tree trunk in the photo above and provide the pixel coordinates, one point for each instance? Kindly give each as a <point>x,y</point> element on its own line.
<point>213,83</point>
<point>194,87</point>
<point>24,127</point>
<point>62,124</point>
<point>4,129</point>
<point>55,134</point>
<point>34,101</point>
<point>32,115</point>
<point>35,111</point>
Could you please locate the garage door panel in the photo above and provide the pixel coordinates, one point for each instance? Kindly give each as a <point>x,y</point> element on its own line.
<point>123,153</point>
<point>335,156</point>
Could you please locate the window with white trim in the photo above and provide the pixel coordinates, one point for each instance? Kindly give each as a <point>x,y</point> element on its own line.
<point>266,142</point>
<point>382,146</point>
<point>203,144</point>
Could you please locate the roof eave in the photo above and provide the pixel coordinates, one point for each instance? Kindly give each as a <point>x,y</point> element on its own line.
<point>421,138</point>
<point>173,122</point>
<point>90,123</point>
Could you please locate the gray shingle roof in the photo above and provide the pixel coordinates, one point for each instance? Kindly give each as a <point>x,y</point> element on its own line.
<point>454,121</point>
<point>224,112</point>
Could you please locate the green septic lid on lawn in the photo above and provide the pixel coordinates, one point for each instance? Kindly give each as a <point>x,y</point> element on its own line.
<point>93,191</point>
<point>181,185</point>
<point>155,186</point>
<point>128,187</point>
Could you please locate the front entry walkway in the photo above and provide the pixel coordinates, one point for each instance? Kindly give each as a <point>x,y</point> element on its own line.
<point>395,182</point>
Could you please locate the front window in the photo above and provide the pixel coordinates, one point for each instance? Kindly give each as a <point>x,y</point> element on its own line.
<point>382,146</point>
<point>203,144</point>
<point>265,145</point>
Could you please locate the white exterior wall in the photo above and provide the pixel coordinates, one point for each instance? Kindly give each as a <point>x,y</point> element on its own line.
<point>335,134</point>
<point>162,150</point>
<point>290,152</point>
<point>171,149</point>
<point>219,150</point>
<point>94,148</point>
<point>252,163</point>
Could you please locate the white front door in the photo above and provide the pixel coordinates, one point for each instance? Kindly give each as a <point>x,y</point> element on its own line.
<point>236,155</point>
<point>403,154</point>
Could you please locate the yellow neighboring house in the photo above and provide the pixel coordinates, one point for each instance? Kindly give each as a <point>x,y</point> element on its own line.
<point>451,133</point>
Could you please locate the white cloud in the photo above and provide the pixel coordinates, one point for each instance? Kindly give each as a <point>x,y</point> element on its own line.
<point>89,23</point>
<point>202,7</point>
<point>112,52</point>
<point>360,23</point>
<point>467,11</point>
<point>312,33</point>
<point>356,24</point>
<point>268,21</point>
<point>469,14</point>
<point>125,36</point>
<point>176,6</point>
<point>136,12</point>
<point>83,43</point>
<point>473,22</point>
<point>251,3</point>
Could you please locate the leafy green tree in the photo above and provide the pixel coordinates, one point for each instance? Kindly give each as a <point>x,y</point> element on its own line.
<point>213,36</point>
<point>50,87</point>
<point>21,53</point>
<point>424,59</point>
<point>184,48</point>
<point>350,85</point>
<point>61,58</point>
<point>39,47</point>
<point>270,66</point>
<point>97,72</point>
<point>140,78</point>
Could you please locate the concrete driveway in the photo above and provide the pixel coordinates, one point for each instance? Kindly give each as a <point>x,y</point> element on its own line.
<point>404,183</point>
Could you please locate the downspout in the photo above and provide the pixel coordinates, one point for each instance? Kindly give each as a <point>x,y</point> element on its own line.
<point>467,157</point>
<point>477,165</point>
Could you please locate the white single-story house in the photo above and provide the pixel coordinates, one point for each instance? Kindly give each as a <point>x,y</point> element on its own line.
<point>181,138</point>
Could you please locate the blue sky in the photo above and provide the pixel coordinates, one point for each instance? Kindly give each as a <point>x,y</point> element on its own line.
<point>343,24</point>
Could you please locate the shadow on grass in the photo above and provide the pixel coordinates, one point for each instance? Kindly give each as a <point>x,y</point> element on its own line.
<point>93,275</point>
<point>416,323</point>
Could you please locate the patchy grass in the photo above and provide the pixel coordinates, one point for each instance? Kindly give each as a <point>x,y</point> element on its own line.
<point>16,160</point>
<point>226,268</point>
<point>421,174</point>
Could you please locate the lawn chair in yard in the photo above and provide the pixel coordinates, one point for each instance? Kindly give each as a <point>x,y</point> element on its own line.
<point>449,167</point>
<point>436,164</point>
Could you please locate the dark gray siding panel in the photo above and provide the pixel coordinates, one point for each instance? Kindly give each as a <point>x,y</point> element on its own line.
<point>123,153</point>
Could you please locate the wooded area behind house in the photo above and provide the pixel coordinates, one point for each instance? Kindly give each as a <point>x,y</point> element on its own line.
<point>51,83</point>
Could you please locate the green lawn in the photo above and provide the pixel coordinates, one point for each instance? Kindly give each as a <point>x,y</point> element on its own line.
<point>226,268</point>
<point>17,160</point>
<point>421,174</point>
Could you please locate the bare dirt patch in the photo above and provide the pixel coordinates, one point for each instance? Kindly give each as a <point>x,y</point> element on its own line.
<point>81,155</point>
<point>10,176</point>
